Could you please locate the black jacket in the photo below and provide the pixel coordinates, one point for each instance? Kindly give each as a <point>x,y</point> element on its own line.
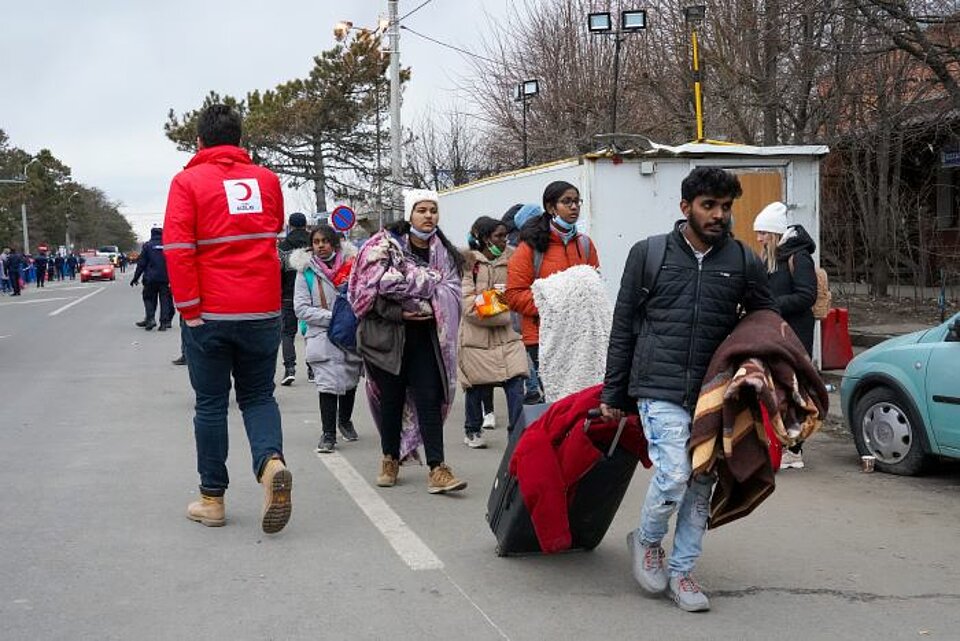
<point>297,238</point>
<point>795,290</point>
<point>152,264</point>
<point>662,349</point>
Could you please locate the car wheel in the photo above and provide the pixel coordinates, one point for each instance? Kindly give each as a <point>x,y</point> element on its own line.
<point>885,425</point>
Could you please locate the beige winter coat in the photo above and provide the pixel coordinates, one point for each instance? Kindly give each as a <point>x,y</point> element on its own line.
<point>491,351</point>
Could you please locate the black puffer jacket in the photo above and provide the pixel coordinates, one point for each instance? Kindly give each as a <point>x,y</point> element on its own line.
<point>795,290</point>
<point>689,312</point>
<point>297,238</point>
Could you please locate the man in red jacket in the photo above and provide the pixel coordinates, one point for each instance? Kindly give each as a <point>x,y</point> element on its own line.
<point>220,241</point>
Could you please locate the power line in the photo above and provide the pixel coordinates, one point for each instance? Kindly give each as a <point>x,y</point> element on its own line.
<point>449,46</point>
<point>410,13</point>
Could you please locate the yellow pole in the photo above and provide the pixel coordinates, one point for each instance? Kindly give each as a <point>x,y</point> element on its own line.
<point>697,92</point>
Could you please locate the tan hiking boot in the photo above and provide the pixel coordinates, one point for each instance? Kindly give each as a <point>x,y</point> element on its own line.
<point>389,470</point>
<point>208,511</point>
<point>277,484</point>
<point>442,480</point>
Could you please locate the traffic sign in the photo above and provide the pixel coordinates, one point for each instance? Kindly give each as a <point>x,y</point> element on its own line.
<point>342,218</point>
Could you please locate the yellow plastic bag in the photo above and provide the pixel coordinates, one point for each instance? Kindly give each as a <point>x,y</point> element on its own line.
<point>489,302</point>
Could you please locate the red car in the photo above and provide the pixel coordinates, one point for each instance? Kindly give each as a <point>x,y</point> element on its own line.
<point>98,267</point>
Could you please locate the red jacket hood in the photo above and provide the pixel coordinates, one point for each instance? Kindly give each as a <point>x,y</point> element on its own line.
<point>223,154</point>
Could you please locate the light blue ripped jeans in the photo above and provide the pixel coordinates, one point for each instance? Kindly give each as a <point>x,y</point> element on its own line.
<point>667,428</point>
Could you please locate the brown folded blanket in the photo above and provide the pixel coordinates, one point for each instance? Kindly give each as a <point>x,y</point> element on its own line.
<point>762,361</point>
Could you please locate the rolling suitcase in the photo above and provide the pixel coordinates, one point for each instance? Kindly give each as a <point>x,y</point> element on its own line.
<point>596,500</point>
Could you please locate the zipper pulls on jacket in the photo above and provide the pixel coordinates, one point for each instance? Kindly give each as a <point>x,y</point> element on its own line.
<point>693,335</point>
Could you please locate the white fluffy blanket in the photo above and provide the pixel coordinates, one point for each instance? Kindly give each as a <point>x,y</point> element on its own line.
<point>575,317</point>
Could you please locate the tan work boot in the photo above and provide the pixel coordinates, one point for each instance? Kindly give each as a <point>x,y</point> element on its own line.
<point>208,511</point>
<point>277,483</point>
<point>442,480</point>
<point>389,470</point>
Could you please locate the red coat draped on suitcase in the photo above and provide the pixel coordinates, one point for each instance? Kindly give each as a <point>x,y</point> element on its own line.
<point>554,453</point>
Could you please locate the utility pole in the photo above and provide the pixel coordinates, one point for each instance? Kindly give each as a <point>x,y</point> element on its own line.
<point>395,126</point>
<point>23,209</point>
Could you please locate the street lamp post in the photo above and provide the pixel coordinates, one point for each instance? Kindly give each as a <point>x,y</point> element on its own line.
<point>601,23</point>
<point>23,210</point>
<point>525,91</point>
<point>693,16</point>
<point>69,218</point>
<point>395,159</point>
<point>340,31</point>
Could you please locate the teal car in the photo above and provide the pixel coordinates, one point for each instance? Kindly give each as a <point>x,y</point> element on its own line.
<point>901,399</point>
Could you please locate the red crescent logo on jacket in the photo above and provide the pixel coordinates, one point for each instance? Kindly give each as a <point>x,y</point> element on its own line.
<point>243,196</point>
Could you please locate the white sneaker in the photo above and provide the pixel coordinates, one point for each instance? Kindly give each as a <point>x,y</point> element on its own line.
<point>789,459</point>
<point>476,441</point>
<point>489,421</point>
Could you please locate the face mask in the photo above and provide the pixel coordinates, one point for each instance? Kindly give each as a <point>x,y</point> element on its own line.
<point>421,235</point>
<point>564,225</point>
<point>496,251</point>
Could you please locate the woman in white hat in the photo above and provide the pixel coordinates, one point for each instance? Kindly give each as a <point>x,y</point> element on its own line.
<point>405,291</point>
<point>786,250</point>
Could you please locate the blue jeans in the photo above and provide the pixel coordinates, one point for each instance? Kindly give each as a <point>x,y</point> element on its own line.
<point>247,351</point>
<point>667,428</point>
<point>473,403</point>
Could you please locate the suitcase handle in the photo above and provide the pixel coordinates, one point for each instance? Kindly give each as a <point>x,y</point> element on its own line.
<point>595,414</point>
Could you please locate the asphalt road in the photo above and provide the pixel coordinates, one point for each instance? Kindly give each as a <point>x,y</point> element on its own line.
<point>98,467</point>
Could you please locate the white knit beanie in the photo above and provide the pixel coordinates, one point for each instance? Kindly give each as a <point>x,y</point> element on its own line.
<point>772,219</point>
<point>413,196</point>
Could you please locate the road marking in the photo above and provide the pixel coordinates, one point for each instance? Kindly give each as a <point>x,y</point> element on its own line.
<point>76,302</point>
<point>404,541</point>
<point>39,300</point>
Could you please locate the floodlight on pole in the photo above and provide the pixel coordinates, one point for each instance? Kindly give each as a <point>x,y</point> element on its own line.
<point>694,15</point>
<point>601,23</point>
<point>525,91</point>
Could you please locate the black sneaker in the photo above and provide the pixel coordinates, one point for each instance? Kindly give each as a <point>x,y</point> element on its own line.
<point>289,375</point>
<point>328,442</point>
<point>532,398</point>
<point>348,432</point>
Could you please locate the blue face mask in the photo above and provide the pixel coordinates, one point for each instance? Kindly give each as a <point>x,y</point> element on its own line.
<point>564,225</point>
<point>421,235</point>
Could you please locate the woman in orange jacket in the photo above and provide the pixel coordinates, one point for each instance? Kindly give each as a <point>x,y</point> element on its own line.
<point>548,244</point>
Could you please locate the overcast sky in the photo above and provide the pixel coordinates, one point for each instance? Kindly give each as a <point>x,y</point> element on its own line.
<point>93,81</point>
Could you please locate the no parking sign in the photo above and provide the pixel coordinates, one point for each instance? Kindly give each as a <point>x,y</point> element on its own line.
<point>342,218</point>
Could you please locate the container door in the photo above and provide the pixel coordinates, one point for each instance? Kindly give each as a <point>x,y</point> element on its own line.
<point>761,186</point>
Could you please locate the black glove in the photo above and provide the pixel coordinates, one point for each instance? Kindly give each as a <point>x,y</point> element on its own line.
<point>133,283</point>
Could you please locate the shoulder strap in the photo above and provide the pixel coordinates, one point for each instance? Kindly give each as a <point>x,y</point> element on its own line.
<point>584,241</point>
<point>309,276</point>
<point>537,263</point>
<point>652,261</point>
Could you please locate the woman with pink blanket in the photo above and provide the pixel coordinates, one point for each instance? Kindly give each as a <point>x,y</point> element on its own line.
<point>405,291</point>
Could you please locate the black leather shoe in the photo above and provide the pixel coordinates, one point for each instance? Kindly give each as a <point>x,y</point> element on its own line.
<point>163,327</point>
<point>180,361</point>
<point>142,323</point>
<point>150,325</point>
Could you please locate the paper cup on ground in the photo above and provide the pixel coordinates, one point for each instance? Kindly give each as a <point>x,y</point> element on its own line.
<point>867,463</point>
